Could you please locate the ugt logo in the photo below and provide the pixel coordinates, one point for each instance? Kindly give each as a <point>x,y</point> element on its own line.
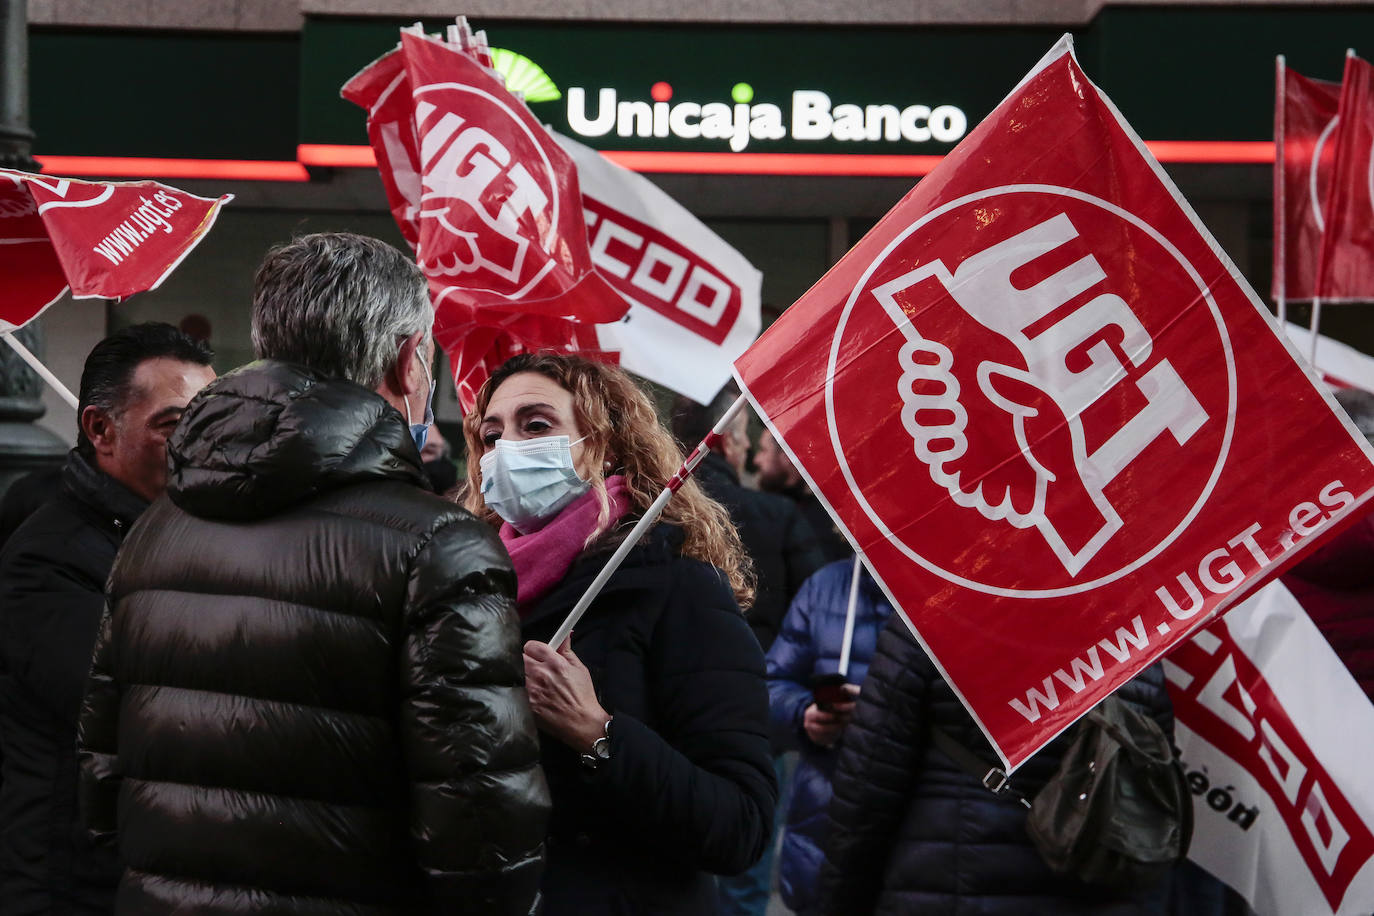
<point>495,197</point>
<point>1051,375</point>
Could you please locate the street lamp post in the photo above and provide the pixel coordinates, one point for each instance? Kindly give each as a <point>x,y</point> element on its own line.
<point>15,137</point>
<point>24,446</point>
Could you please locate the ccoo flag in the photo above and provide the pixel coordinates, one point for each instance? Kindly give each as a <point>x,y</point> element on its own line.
<point>1040,400</point>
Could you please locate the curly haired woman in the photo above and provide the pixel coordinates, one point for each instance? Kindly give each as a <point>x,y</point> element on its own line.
<point>654,719</point>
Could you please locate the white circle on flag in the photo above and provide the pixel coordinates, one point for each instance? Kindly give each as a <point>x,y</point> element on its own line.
<point>1078,588</point>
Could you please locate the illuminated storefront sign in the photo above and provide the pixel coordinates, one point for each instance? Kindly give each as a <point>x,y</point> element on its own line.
<point>810,116</point>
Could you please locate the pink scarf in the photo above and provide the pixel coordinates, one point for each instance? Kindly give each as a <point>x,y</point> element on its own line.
<point>542,558</point>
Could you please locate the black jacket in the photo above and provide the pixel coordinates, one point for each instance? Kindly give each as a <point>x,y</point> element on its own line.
<point>689,787</point>
<point>307,694</point>
<point>52,591</point>
<point>913,834</point>
<point>776,537</point>
<point>832,544</point>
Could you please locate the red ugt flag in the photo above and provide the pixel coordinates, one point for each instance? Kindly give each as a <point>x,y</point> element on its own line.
<point>1304,125</point>
<point>500,219</point>
<point>489,202</point>
<point>103,240</point>
<point>1051,414</point>
<point>1346,268</point>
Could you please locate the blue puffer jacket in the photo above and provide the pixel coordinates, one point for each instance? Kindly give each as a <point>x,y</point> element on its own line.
<point>807,645</point>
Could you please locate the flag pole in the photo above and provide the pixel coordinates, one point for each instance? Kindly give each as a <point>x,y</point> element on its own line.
<point>1316,321</point>
<point>650,516</point>
<point>848,641</point>
<point>1280,203</point>
<point>42,370</point>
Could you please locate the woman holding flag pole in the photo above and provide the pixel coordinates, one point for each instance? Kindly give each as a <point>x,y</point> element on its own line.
<point>654,715</point>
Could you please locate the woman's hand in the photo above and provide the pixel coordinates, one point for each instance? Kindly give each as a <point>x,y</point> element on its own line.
<point>562,696</point>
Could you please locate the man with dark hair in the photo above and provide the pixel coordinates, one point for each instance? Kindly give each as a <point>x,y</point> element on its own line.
<point>135,384</point>
<point>777,474</point>
<point>778,540</point>
<point>308,693</point>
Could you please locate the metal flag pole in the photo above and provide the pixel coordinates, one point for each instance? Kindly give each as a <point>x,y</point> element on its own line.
<point>42,370</point>
<point>1280,204</point>
<point>1316,321</point>
<point>650,516</point>
<point>848,639</point>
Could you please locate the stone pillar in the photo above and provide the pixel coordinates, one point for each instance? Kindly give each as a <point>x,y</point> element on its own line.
<point>24,445</point>
<point>16,140</point>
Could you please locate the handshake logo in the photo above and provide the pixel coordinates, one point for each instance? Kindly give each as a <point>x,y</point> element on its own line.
<point>1011,445</point>
<point>478,189</point>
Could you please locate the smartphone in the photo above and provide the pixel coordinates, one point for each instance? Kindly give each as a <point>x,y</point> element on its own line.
<point>828,689</point>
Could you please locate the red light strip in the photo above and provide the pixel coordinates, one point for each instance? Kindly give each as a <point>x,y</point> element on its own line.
<point>331,154</point>
<point>1232,152</point>
<point>1218,151</point>
<point>127,167</point>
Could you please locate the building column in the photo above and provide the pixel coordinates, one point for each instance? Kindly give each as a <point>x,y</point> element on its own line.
<point>24,445</point>
<point>16,140</point>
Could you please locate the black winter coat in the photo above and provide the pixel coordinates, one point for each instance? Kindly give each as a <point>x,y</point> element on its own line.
<point>52,591</point>
<point>776,537</point>
<point>689,787</point>
<point>307,695</point>
<point>913,834</point>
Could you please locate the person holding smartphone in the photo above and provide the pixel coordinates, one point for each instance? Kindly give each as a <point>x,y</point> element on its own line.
<point>811,704</point>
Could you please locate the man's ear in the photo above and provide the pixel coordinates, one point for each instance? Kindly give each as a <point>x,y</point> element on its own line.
<point>406,377</point>
<point>99,429</point>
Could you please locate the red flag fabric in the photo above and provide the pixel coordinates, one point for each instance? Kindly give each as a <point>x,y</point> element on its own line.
<point>383,90</point>
<point>1304,124</point>
<point>1042,403</point>
<point>103,240</point>
<point>490,203</point>
<point>1346,266</point>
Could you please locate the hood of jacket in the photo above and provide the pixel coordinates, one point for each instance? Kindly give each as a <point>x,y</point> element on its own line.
<point>272,434</point>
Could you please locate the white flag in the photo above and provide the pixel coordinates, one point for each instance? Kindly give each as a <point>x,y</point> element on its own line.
<point>694,300</point>
<point>1277,739</point>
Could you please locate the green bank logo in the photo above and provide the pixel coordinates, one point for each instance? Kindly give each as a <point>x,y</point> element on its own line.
<point>524,76</point>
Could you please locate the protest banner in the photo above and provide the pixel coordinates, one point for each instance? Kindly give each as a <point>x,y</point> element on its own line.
<point>489,201</point>
<point>1338,364</point>
<point>104,240</point>
<point>1039,400</point>
<point>694,299</point>
<point>1345,270</point>
<point>382,89</point>
<point>1276,738</point>
<point>1304,120</point>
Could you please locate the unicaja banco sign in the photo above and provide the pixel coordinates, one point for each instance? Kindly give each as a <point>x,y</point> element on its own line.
<point>810,116</point>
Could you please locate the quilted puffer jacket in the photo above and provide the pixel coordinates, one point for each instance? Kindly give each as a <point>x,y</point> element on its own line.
<point>913,834</point>
<point>810,644</point>
<point>307,695</point>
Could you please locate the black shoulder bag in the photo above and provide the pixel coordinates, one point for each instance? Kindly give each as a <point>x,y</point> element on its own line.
<point>1116,813</point>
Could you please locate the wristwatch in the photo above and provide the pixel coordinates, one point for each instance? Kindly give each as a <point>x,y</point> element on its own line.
<point>601,749</point>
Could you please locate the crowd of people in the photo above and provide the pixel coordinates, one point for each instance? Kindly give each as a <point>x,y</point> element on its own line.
<point>253,663</point>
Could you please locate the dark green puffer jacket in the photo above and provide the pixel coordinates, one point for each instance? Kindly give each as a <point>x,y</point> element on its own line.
<point>308,694</point>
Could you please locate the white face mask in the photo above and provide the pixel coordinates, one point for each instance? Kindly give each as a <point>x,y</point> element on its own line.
<point>528,481</point>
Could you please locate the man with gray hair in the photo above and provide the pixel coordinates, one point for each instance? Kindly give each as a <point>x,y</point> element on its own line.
<point>307,695</point>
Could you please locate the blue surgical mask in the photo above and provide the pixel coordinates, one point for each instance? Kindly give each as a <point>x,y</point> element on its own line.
<point>529,481</point>
<point>420,431</point>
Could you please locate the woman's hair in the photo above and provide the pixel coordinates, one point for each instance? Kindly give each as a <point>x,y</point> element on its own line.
<point>620,424</point>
